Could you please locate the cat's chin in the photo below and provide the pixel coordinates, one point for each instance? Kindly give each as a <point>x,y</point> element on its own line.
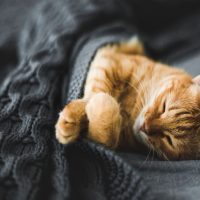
<point>140,136</point>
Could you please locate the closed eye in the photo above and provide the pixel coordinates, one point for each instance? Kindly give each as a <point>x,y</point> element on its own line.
<point>164,106</point>
<point>183,113</point>
<point>169,140</point>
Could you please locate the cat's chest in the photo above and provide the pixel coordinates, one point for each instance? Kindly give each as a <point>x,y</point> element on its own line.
<point>129,105</point>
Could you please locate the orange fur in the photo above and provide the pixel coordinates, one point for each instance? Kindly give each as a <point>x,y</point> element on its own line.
<point>131,101</point>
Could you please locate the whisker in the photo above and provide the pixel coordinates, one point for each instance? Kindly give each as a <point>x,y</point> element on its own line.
<point>139,83</point>
<point>146,159</point>
<point>138,93</point>
<point>153,155</point>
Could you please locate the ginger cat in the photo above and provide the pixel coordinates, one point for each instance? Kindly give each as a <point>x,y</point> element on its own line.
<point>131,101</point>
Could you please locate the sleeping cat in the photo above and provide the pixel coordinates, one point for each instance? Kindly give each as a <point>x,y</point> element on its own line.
<point>133,102</point>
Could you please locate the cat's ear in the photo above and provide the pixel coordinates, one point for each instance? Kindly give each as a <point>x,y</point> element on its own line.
<point>197,79</point>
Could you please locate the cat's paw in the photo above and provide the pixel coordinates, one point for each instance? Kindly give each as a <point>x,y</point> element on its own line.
<point>68,126</point>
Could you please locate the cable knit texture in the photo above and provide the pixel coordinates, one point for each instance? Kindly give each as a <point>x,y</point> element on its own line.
<point>54,51</point>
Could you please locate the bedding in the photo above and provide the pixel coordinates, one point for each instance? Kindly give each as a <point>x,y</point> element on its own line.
<point>45,51</point>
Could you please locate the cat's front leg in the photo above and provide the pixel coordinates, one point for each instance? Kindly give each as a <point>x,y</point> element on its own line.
<point>71,121</point>
<point>104,117</point>
<point>101,111</point>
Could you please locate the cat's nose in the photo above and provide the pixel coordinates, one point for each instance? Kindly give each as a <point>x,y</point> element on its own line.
<point>144,128</point>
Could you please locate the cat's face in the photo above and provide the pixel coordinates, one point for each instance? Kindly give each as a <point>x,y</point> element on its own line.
<point>170,123</point>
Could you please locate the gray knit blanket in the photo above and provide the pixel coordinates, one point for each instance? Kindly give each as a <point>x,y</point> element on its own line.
<point>45,51</point>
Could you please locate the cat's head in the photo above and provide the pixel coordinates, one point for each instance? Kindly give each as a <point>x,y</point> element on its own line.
<point>170,122</point>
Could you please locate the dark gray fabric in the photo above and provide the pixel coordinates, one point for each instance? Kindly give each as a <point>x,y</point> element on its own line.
<point>13,14</point>
<point>44,64</point>
<point>191,63</point>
